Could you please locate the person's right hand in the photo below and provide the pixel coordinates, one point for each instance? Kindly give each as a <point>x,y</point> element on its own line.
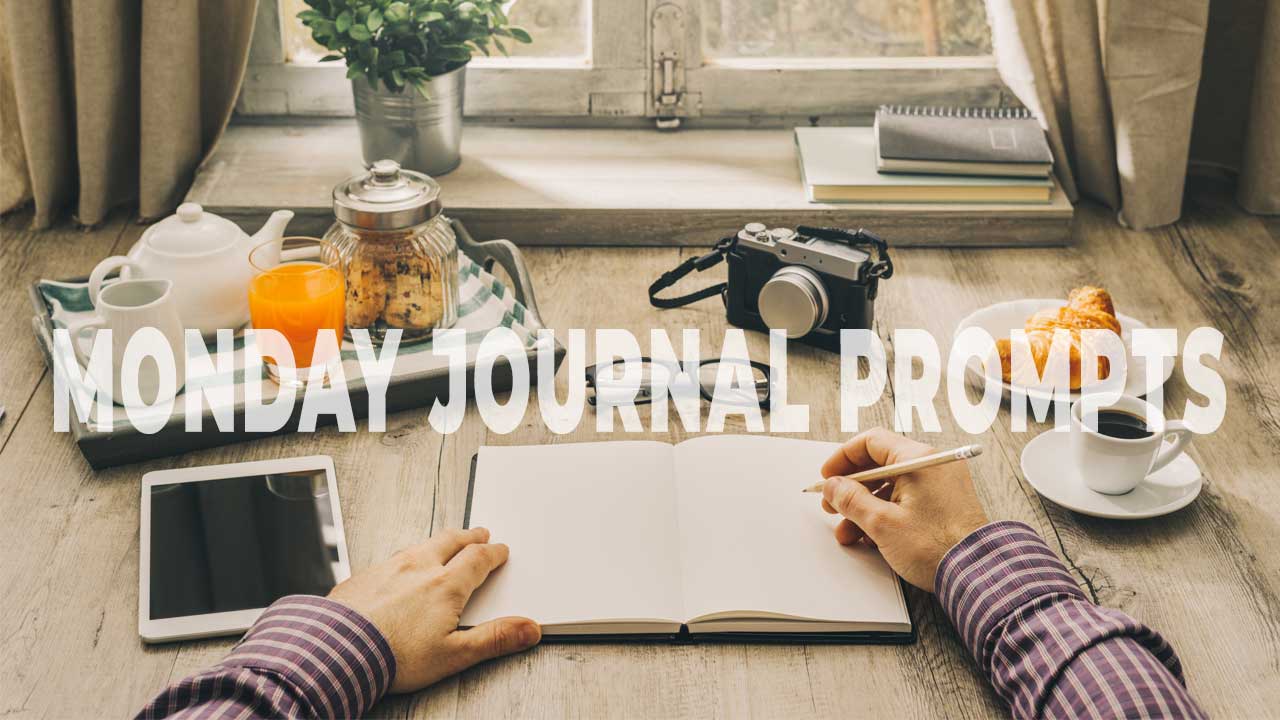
<point>915,518</point>
<point>415,598</point>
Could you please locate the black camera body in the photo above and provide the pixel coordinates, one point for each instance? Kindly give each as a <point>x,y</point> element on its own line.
<point>811,282</point>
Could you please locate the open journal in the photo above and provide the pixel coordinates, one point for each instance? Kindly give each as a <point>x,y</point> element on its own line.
<point>710,538</point>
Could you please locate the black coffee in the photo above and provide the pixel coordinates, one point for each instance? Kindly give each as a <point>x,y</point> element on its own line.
<point>1117,424</point>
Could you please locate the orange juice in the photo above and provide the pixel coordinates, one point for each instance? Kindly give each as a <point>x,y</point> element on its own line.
<point>298,300</point>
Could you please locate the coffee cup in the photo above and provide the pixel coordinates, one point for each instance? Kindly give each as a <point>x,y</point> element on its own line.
<point>126,307</point>
<point>1115,447</point>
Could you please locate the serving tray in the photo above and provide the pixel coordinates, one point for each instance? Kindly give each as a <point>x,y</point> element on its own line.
<point>418,379</point>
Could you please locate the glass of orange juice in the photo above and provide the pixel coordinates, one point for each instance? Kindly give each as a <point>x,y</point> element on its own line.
<point>299,291</point>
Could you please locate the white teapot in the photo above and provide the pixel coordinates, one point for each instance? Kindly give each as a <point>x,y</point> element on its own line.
<point>206,257</point>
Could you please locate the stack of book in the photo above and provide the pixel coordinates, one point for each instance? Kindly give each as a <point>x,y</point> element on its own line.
<point>929,155</point>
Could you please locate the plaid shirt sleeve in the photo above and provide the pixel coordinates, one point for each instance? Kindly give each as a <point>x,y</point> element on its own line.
<point>1046,649</point>
<point>305,657</point>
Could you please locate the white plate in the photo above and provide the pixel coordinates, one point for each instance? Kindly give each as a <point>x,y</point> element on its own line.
<point>1047,466</point>
<point>1002,318</point>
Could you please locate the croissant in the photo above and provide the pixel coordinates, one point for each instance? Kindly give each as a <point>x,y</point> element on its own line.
<point>1087,308</point>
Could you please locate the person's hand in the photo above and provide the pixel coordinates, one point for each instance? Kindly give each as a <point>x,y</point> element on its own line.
<point>915,518</point>
<point>415,597</point>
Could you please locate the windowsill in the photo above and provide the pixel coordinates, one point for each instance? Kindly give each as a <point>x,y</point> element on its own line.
<point>542,186</point>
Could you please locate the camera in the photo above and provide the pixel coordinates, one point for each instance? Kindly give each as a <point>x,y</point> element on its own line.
<point>811,282</point>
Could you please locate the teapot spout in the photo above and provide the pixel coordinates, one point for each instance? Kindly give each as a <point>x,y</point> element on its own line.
<point>272,232</point>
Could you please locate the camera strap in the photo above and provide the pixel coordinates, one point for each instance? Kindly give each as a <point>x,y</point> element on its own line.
<point>698,263</point>
<point>879,268</point>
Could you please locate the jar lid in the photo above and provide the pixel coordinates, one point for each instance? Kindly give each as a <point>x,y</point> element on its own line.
<point>386,198</point>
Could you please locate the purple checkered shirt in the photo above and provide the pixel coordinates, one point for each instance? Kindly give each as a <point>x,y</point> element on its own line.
<point>1046,649</point>
<point>305,657</point>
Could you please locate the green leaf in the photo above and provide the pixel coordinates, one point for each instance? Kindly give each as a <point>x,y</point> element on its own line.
<point>343,21</point>
<point>498,43</point>
<point>397,13</point>
<point>520,34</point>
<point>460,53</point>
<point>397,78</point>
<point>421,87</point>
<point>308,16</point>
<point>375,20</point>
<point>329,58</point>
<point>360,33</point>
<point>354,70</point>
<point>430,16</point>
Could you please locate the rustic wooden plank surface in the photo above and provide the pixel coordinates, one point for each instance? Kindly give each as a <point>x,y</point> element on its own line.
<point>1207,577</point>
<point>26,256</point>
<point>555,186</point>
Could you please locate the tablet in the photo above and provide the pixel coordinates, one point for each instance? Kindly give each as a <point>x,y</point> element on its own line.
<point>219,544</point>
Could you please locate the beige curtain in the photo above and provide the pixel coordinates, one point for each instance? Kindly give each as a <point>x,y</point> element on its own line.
<point>1116,82</point>
<point>108,102</point>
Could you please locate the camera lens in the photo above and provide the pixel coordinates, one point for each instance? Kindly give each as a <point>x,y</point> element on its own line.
<point>794,300</point>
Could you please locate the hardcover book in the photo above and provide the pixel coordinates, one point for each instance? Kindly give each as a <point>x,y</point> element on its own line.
<point>838,164</point>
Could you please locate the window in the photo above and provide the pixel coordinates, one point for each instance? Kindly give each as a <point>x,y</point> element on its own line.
<point>843,29</point>
<point>708,61</point>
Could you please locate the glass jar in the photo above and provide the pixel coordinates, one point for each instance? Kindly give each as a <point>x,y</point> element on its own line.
<point>399,253</point>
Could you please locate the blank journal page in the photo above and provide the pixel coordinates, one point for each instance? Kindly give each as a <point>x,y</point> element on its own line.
<point>754,542</point>
<point>591,529</point>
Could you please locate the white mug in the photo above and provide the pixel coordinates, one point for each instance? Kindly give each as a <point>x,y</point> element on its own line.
<point>1115,466</point>
<point>125,307</point>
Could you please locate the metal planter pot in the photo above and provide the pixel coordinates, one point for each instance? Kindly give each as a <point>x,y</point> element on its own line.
<point>419,133</point>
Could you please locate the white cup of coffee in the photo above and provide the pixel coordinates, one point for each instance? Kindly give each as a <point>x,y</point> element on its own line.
<point>125,307</point>
<point>1117,446</point>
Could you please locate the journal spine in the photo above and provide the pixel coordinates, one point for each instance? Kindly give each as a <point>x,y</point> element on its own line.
<point>984,113</point>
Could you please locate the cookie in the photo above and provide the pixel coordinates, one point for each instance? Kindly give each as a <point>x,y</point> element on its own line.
<point>366,291</point>
<point>415,294</point>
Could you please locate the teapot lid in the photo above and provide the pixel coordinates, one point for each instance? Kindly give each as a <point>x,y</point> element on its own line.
<point>386,198</point>
<point>192,231</point>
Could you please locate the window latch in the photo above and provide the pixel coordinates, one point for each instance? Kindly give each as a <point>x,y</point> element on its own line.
<point>670,101</point>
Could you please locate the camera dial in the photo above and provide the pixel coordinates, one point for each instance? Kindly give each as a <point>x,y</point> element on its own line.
<point>794,300</point>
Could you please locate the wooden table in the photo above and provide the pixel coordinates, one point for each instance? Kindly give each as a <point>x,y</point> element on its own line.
<point>1208,577</point>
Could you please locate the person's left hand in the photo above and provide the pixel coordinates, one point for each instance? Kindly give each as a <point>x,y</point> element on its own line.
<point>415,598</point>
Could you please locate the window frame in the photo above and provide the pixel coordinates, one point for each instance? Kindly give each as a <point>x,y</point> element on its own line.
<point>614,86</point>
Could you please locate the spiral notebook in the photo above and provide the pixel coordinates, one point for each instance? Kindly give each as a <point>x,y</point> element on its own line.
<point>961,141</point>
<point>711,538</point>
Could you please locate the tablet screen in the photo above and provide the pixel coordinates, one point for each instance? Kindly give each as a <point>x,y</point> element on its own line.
<point>240,543</point>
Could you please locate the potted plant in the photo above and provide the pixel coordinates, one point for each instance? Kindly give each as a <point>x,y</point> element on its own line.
<point>407,63</point>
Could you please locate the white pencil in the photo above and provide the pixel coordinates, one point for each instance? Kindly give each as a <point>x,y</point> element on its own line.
<point>961,453</point>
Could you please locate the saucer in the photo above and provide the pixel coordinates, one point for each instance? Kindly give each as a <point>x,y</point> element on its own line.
<point>1046,466</point>
<point>1000,318</point>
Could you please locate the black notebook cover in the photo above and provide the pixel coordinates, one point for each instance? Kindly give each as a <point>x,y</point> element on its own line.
<point>980,135</point>
<point>684,636</point>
